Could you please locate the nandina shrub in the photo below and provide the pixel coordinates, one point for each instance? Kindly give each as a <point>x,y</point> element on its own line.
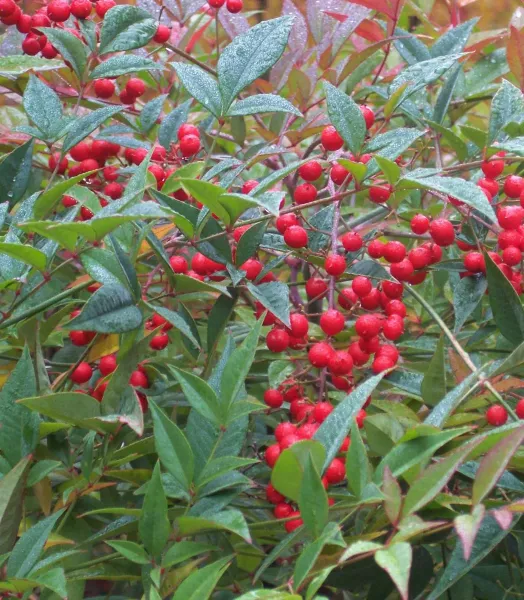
<point>261,303</point>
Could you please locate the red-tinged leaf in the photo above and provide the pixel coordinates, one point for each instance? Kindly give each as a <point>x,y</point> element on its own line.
<point>503,516</point>
<point>467,527</point>
<point>195,38</point>
<point>393,496</point>
<point>370,30</point>
<point>493,465</point>
<point>396,561</point>
<point>515,53</point>
<point>382,6</point>
<point>340,18</point>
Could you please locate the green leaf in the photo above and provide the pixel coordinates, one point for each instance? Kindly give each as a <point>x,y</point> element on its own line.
<point>345,115</point>
<point>249,242</point>
<point>457,144</point>
<point>311,552</point>
<point>19,64</point>
<point>227,520</point>
<point>181,551</point>
<point>50,198</point>
<point>410,47</point>
<point>505,303</point>
<point>493,465</point>
<point>419,75</point>
<point>172,447</point>
<point>125,28</point>
<point>488,537</point>
<point>467,527</point>
<point>429,483</point>
<point>111,309</point>
<point>103,266</point>
<point>12,486</point>
<point>200,396</point>
<point>262,103</point>
<point>313,500</point>
<point>177,321</point>
<point>514,360</point>
<point>219,466</point>
<point>396,561</point>
<point>390,145</point>
<point>55,580</point>
<point>154,527</point>
<point>200,86</point>
<point>151,112</point>
<point>392,496</point>
<point>288,471</point>
<point>433,386</point>
<point>323,221</point>
<point>466,191</point>
<point>132,551</point>
<point>43,107</point>
<point>202,582</point>
<point>208,194</point>
<point>69,46</point>
<point>454,40</point>
<point>275,297</point>
<point>26,254</point>
<point>168,130</point>
<point>250,55</point>
<point>269,595</point>
<point>18,425</point>
<point>358,467</point>
<point>27,550</point>
<point>466,296</point>
<point>336,426</point>
<point>86,125</point>
<point>390,169</point>
<point>446,94</point>
<point>238,367</point>
<point>41,470</point>
<point>15,172</point>
<point>218,319</point>
<point>506,104</point>
<point>123,64</point>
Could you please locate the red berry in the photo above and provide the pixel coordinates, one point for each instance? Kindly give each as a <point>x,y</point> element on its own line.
<point>316,287</point>
<point>512,256</point>
<point>489,185</point>
<point>393,327</point>
<point>114,190</point>
<point>107,364</point>
<point>339,174</point>
<point>187,129</point>
<point>69,201</point>
<point>347,298</point>
<point>510,217</point>
<point>277,340</point>
<point>299,325</point>
<point>273,398</point>
<point>305,193</point>
<point>380,193</point>
<point>39,20</point>
<point>335,265</point>
<point>509,237</point>
<point>273,496</point>
<point>436,251</point>
<point>49,52</point>
<point>442,232</point>
<point>392,289</point>
<point>519,409</point>
<point>340,363</point>
<point>361,415</point>
<point>58,11</point>
<point>286,221</point>
<point>136,87</point>
<point>159,341</point>
<point>321,411</point>
<point>419,224</point>
<point>361,285</point>
<point>283,510</point>
<point>296,237</point>
<point>86,213</point>
<point>249,186</point>
<point>104,88</point>
<point>288,441</point>
<point>332,322</point>
<point>368,326</point>
<point>53,163</point>
<point>319,354</point>
<point>82,373</point>
<point>311,171</point>
<point>496,415</point>
<point>81,338</point>
<point>492,168</point>
<point>30,46</point>
<point>513,186</point>
<point>189,145</point>
<point>81,9</point>
<point>376,249</point>
<point>395,307</point>
<point>382,363</point>
<point>234,6</point>
<point>371,301</point>
<point>81,151</point>
<point>394,252</point>
<point>7,8</point>
<point>352,241</point>
<point>307,431</point>
<point>474,262</point>
<point>419,257</point>
<point>139,379</point>
<point>102,6</point>
<point>162,35</point>
<point>368,114</point>
<point>216,3</point>
<point>24,23</point>
<point>284,429</point>
<point>336,472</point>
<point>402,270</point>
<point>271,455</point>
<point>359,356</point>
<point>294,523</point>
<point>178,264</point>
<point>331,139</point>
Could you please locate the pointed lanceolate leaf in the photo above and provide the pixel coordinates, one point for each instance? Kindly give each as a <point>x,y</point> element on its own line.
<point>111,309</point>
<point>12,486</point>
<point>396,561</point>
<point>250,55</point>
<point>313,501</point>
<point>43,107</point>
<point>202,582</point>
<point>126,27</point>
<point>358,468</point>
<point>262,103</point>
<point>466,296</point>
<point>275,297</point>
<point>506,104</point>
<point>467,527</point>
<point>200,396</point>
<point>86,125</point>
<point>201,85</point>
<point>69,46</point>
<point>345,115</point>
<point>505,303</point>
<point>433,386</point>
<point>131,550</point>
<point>123,64</point>
<point>15,172</point>
<point>337,425</point>
<point>172,447</point>
<point>493,465</point>
<point>153,526</point>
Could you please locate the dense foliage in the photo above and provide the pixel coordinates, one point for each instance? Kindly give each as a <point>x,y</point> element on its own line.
<point>261,280</point>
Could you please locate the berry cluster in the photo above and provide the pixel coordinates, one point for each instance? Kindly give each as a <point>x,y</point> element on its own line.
<point>233,6</point>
